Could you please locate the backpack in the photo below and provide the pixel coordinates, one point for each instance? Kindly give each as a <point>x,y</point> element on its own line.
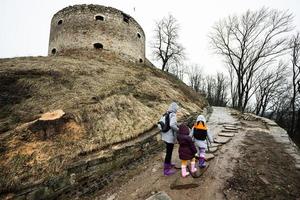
<point>165,122</point>
<point>200,131</point>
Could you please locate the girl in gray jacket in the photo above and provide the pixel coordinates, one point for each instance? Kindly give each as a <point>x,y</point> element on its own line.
<point>169,137</point>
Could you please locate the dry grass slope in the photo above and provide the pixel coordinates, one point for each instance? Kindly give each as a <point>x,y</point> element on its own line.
<point>107,100</point>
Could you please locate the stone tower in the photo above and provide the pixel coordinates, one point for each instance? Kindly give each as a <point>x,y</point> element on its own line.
<point>96,28</point>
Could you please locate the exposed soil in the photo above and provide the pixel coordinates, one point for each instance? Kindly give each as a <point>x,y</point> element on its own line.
<point>264,171</point>
<point>251,166</point>
<point>108,100</point>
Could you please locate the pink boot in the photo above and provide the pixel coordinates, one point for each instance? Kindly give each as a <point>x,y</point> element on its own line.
<point>193,168</point>
<point>184,173</point>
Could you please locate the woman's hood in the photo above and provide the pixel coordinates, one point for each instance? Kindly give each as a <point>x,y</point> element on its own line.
<point>173,107</point>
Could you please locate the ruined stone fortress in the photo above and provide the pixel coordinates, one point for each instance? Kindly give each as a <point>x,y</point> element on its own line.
<point>96,28</point>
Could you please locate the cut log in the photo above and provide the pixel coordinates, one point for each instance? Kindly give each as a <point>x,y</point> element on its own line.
<point>52,115</point>
<point>50,124</point>
<point>199,172</point>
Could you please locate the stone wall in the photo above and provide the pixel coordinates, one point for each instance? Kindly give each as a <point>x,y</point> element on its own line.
<point>97,28</point>
<point>90,172</point>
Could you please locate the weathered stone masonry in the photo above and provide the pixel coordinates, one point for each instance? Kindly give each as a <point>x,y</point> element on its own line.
<point>97,28</point>
<point>91,171</point>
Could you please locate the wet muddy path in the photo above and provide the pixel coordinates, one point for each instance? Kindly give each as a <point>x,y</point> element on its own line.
<point>248,165</point>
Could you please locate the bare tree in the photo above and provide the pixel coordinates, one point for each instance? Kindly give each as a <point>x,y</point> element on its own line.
<point>166,47</point>
<point>283,111</point>
<point>295,46</point>
<point>280,105</point>
<point>250,42</point>
<point>210,88</point>
<point>213,87</point>
<point>178,70</point>
<point>268,84</point>
<point>220,98</point>
<point>216,89</point>
<point>196,77</point>
<point>233,87</point>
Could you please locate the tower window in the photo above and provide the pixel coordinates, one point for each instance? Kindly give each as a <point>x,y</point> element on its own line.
<point>99,17</point>
<point>125,17</point>
<point>139,35</point>
<point>59,22</point>
<point>98,46</point>
<point>141,60</point>
<point>53,51</point>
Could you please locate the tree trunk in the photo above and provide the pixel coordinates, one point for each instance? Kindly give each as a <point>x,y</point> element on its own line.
<point>50,124</point>
<point>163,66</point>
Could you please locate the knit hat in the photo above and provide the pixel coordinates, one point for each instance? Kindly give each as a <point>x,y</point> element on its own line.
<point>201,118</point>
<point>184,129</point>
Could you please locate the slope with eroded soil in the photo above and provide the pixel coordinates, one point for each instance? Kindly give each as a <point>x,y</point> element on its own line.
<point>106,101</point>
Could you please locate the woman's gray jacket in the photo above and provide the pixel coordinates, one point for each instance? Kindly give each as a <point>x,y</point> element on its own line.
<point>170,135</point>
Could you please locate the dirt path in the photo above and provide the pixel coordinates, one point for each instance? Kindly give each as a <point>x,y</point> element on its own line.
<point>265,170</point>
<point>238,170</point>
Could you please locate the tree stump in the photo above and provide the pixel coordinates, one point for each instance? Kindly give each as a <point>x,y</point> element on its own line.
<point>49,124</point>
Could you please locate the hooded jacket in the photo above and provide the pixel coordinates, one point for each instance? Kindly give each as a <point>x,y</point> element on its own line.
<point>202,143</point>
<point>170,135</point>
<point>187,149</point>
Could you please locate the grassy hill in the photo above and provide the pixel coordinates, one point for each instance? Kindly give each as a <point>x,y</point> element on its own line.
<point>105,100</point>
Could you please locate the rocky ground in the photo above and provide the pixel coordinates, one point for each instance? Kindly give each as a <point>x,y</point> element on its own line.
<point>254,164</point>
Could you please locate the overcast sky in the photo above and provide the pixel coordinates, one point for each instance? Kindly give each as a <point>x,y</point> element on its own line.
<point>25,24</point>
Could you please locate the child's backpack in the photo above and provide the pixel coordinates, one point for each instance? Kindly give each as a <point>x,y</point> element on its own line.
<point>200,131</point>
<point>165,122</point>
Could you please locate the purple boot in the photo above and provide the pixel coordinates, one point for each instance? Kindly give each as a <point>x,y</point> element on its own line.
<point>168,169</point>
<point>202,162</point>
